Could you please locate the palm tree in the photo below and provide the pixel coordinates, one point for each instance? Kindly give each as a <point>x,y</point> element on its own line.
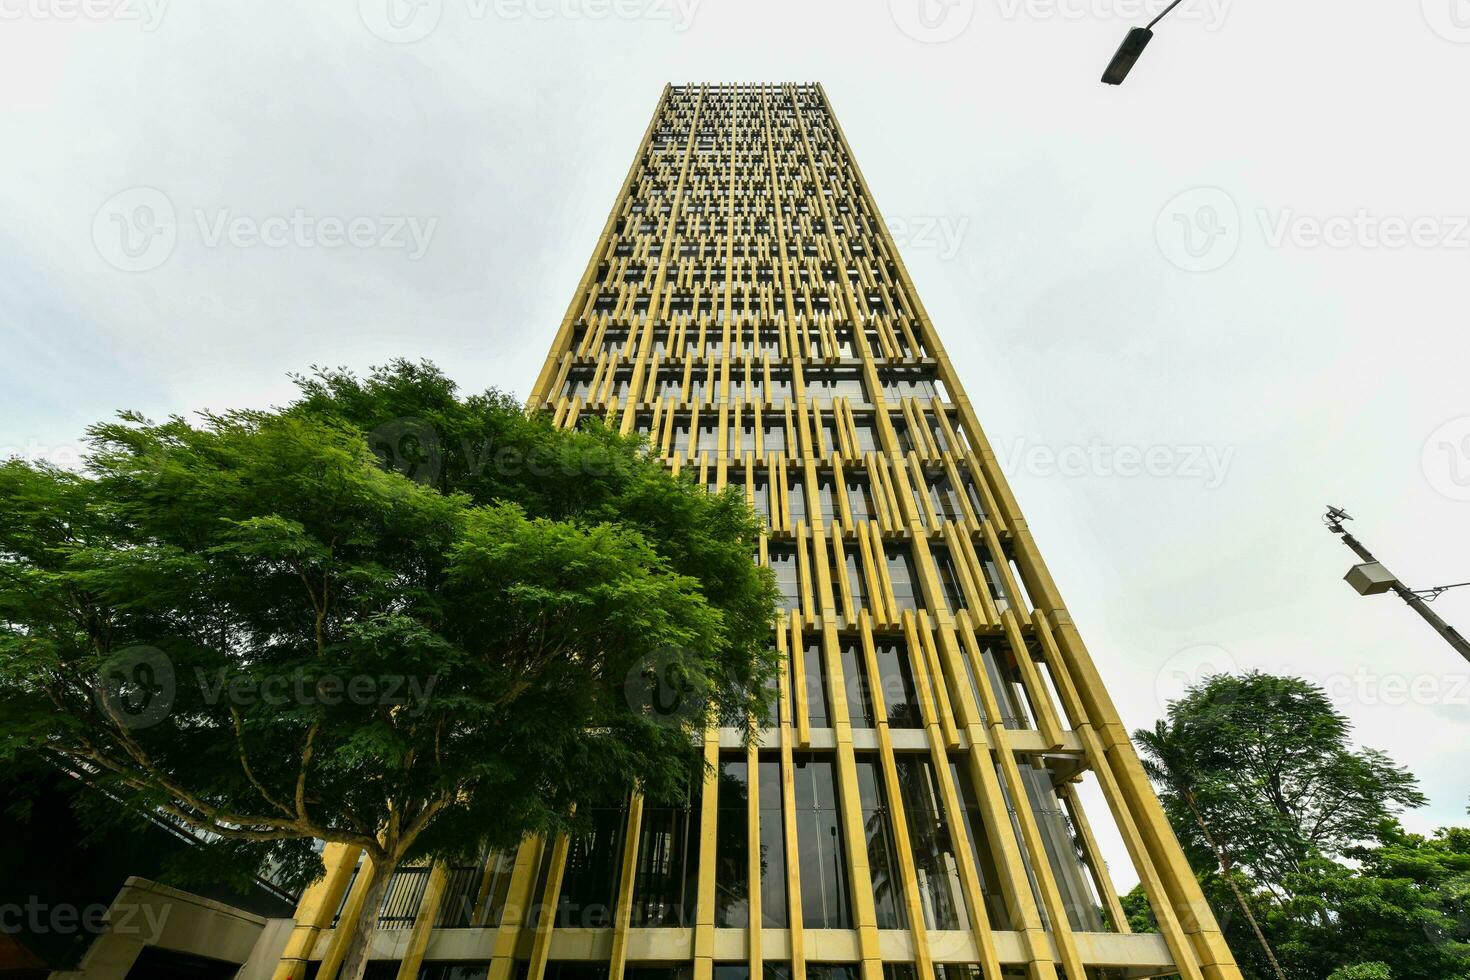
<point>1173,762</point>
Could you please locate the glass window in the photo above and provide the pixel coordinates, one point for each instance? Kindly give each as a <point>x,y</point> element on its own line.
<point>867,438</point>
<point>903,576</point>
<point>995,906</point>
<point>958,971</point>
<point>760,497</point>
<point>451,971</point>
<point>815,667</point>
<point>1063,850</point>
<point>832,971</point>
<point>773,846</point>
<point>934,858</point>
<point>826,497</point>
<point>860,498</point>
<point>855,580</point>
<point>788,581</point>
<point>855,684</point>
<point>949,579</point>
<point>1004,675</point>
<point>665,879</point>
<point>732,846</point>
<point>589,885</point>
<point>824,897</point>
<point>883,864</point>
<point>475,894</point>
<point>775,437</point>
<point>943,497</point>
<point>898,971</point>
<point>896,680</point>
<point>795,498</point>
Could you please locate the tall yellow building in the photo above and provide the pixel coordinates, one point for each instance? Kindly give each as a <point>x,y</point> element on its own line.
<point>912,812</point>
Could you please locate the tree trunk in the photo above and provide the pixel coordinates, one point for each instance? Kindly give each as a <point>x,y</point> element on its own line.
<point>355,960</point>
<point>1234,888</point>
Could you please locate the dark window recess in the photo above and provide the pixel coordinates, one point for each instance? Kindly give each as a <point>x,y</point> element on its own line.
<point>995,906</point>
<point>896,683</point>
<point>855,684</point>
<point>940,894</point>
<point>665,877</point>
<point>773,846</point>
<point>455,971</point>
<point>832,971</point>
<point>958,971</point>
<point>475,894</point>
<point>589,886</point>
<point>732,846</point>
<point>898,971</point>
<point>855,580</point>
<point>824,897</point>
<point>942,496</point>
<point>949,578</point>
<point>814,667</point>
<point>1004,674</point>
<point>888,900</point>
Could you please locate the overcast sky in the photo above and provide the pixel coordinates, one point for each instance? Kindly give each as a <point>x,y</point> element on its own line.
<point>1189,311</point>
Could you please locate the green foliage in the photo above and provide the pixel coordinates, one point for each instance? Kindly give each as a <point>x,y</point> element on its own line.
<point>1363,971</point>
<point>1304,826</point>
<point>1268,764</point>
<point>385,615</point>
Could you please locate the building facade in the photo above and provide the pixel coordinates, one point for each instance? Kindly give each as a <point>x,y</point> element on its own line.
<point>912,809</point>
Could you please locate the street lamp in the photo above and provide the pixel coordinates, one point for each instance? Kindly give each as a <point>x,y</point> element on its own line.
<point>1371,578</point>
<point>1132,47</point>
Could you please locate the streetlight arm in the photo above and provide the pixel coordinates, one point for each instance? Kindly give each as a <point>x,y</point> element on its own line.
<point>1166,12</point>
<point>1418,601</point>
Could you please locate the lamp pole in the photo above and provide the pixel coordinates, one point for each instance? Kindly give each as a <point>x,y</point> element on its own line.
<point>1132,46</point>
<point>1371,578</point>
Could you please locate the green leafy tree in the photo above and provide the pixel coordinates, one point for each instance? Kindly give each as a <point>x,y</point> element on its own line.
<point>1267,765</point>
<point>386,616</point>
<point>1172,758</point>
<point>1363,971</point>
<point>1404,901</point>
